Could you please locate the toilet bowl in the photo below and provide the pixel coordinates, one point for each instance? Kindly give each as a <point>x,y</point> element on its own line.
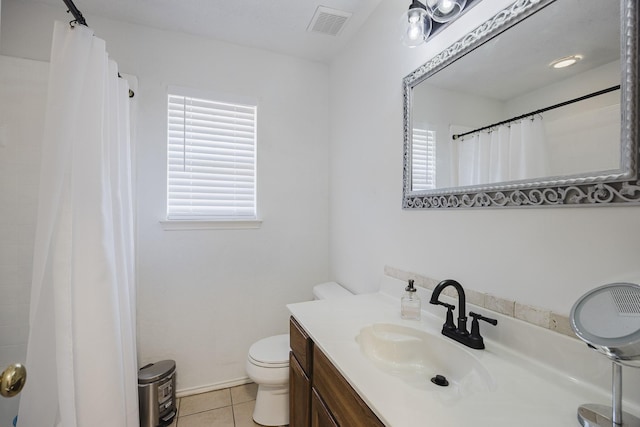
<point>268,366</point>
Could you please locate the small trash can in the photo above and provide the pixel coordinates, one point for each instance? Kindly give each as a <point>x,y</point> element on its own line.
<point>157,393</point>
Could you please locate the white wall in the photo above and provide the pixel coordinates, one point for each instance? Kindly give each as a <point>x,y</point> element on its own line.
<point>543,257</point>
<point>205,296</point>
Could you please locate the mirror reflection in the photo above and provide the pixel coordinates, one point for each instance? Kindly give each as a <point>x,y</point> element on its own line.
<point>510,111</point>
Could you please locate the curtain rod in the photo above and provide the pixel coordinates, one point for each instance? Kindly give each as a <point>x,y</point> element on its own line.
<point>80,20</point>
<point>75,12</point>
<point>542,110</point>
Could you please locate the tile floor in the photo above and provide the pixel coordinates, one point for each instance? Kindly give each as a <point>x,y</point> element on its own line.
<point>230,407</point>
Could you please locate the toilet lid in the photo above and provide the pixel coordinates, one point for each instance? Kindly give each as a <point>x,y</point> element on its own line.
<point>271,351</point>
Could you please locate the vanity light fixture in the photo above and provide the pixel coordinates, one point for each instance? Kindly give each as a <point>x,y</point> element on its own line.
<point>417,25</point>
<point>418,21</point>
<point>567,61</point>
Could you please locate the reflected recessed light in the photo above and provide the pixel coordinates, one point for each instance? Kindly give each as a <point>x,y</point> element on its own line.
<point>566,61</point>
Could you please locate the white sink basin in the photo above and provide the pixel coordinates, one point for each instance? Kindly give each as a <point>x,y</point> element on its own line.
<point>416,356</point>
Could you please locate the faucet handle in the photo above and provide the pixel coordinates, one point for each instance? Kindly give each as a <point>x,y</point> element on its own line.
<point>477,316</point>
<point>475,329</point>
<point>448,324</point>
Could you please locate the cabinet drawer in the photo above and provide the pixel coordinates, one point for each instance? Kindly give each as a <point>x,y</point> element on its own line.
<point>301,345</point>
<point>347,408</point>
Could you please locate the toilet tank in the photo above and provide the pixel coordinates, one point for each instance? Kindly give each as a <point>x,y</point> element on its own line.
<point>329,290</point>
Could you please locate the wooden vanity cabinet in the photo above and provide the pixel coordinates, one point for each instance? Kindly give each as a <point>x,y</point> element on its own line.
<point>319,395</point>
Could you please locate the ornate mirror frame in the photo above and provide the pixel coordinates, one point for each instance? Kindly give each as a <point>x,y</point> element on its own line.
<point>617,189</point>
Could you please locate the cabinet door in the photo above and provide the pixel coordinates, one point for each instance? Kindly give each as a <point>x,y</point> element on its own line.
<point>344,404</point>
<point>299,393</point>
<point>320,416</point>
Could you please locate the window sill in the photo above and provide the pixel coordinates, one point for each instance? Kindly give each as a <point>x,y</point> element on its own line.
<point>231,224</point>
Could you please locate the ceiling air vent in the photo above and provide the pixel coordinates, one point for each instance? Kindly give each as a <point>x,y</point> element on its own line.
<point>328,21</point>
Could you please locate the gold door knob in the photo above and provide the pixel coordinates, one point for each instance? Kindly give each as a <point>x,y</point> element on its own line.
<point>12,380</point>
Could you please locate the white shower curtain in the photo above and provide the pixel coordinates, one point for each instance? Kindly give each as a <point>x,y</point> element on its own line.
<point>508,153</point>
<point>81,354</point>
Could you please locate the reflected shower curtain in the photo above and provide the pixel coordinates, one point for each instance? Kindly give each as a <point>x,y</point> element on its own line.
<point>508,153</point>
<point>529,157</point>
<point>81,354</point>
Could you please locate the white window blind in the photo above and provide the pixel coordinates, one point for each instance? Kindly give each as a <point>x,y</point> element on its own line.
<point>211,159</point>
<point>423,159</point>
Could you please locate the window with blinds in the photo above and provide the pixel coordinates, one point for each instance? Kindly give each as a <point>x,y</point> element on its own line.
<point>211,160</point>
<point>423,159</point>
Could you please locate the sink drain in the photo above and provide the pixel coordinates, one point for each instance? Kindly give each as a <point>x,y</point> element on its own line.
<point>440,380</point>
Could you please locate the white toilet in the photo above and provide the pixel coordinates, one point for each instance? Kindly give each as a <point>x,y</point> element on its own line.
<point>268,366</point>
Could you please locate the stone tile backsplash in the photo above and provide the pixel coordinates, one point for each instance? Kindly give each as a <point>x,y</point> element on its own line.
<point>530,314</point>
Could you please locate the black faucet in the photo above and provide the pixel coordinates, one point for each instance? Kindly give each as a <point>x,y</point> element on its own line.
<point>460,333</point>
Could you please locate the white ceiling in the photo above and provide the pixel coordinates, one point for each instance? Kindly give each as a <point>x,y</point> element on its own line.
<point>276,25</point>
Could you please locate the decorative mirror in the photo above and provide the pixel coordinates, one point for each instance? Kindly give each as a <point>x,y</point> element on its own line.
<point>498,119</point>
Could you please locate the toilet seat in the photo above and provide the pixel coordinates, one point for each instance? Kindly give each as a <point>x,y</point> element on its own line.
<point>271,352</point>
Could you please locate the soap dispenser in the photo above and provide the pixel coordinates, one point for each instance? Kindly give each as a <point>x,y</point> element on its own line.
<point>410,303</point>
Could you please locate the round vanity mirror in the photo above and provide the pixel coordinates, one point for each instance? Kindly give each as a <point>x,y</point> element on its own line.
<point>608,319</point>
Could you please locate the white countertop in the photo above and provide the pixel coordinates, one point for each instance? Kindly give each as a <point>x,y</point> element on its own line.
<point>525,392</point>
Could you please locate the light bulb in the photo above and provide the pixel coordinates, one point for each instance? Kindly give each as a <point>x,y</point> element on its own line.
<point>445,10</point>
<point>415,25</point>
<point>414,32</point>
<point>414,16</point>
<point>445,6</point>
